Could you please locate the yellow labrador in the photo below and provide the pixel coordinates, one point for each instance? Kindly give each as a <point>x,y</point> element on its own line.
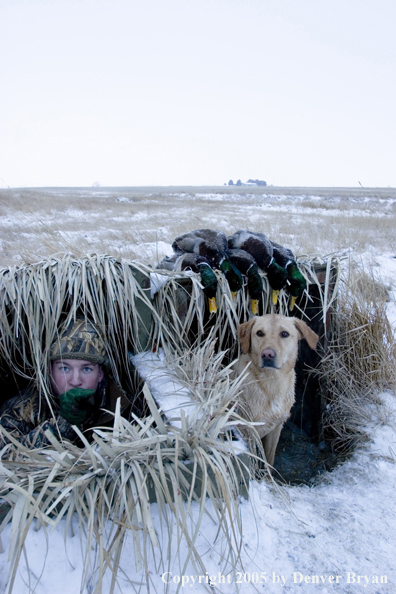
<point>270,344</point>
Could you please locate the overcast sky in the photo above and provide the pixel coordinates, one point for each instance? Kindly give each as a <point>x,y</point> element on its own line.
<point>163,92</point>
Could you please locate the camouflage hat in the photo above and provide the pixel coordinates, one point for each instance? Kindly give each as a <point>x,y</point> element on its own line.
<point>79,340</point>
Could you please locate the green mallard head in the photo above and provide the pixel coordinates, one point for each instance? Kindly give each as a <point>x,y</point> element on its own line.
<point>255,282</point>
<point>209,283</point>
<point>232,274</point>
<point>298,284</point>
<point>255,287</point>
<point>277,276</point>
<point>208,279</point>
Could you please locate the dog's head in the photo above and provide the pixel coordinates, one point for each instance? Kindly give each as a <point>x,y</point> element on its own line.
<point>271,341</point>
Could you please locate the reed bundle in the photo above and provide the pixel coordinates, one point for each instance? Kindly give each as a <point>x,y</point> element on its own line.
<point>360,361</point>
<point>106,487</point>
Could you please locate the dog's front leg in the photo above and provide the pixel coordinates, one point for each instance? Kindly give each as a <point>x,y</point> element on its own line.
<point>270,441</point>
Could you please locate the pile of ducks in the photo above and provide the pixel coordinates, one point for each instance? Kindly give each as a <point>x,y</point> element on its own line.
<point>239,255</point>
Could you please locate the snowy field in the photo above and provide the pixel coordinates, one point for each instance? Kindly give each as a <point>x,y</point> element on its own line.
<point>337,536</point>
<point>142,222</point>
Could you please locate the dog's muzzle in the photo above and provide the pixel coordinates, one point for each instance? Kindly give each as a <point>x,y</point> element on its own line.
<point>268,358</point>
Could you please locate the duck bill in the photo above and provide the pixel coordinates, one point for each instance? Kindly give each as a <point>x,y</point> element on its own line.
<point>275,295</point>
<point>254,303</point>
<point>292,302</point>
<point>234,294</point>
<point>212,305</point>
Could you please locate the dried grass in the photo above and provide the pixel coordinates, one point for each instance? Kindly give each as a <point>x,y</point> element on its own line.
<point>360,362</point>
<point>36,299</point>
<point>107,486</point>
<point>369,349</point>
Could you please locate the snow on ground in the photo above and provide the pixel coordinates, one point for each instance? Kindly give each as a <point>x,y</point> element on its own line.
<point>292,536</point>
<point>336,536</point>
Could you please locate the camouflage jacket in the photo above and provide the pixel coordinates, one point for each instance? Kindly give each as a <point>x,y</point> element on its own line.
<point>26,416</point>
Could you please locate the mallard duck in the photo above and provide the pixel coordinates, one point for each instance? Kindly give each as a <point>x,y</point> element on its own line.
<point>213,246</point>
<point>198,264</point>
<point>296,281</point>
<point>260,247</point>
<point>248,266</point>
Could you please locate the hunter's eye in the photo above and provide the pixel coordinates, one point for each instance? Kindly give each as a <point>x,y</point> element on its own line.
<point>284,334</point>
<point>260,333</point>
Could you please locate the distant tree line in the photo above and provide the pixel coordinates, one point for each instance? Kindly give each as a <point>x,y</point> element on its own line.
<point>257,182</point>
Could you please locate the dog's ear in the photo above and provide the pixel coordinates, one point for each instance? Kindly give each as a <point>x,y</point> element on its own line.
<point>305,331</point>
<point>244,333</point>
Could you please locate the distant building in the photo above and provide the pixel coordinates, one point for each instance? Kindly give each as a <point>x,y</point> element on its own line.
<point>250,182</point>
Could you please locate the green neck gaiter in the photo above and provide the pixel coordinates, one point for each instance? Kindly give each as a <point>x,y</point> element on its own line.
<point>76,405</point>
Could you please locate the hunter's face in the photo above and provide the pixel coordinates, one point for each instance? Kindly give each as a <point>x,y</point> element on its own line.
<point>74,373</point>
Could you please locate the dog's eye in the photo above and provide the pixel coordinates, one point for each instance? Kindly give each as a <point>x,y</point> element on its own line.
<point>284,334</point>
<point>260,333</point>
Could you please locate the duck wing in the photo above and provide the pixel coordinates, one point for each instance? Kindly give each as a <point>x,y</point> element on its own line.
<point>168,263</point>
<point>193,262</point>
<point>241,259</point>
<point>256,244</point>
<point>283,256</point>
<point>205,242</point>
<point>188,242</point>
<point>215,238</point>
